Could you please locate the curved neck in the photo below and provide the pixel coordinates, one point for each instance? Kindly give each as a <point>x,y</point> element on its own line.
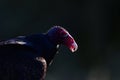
<point>53,49</point>
<point>54,37</point>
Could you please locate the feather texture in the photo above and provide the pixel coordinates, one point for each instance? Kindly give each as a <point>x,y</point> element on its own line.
<point>27,57</point>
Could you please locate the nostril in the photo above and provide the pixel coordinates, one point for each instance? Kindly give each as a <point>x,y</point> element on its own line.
<point>73,48</point>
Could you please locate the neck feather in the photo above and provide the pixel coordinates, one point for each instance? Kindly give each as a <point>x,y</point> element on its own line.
<point>53,37</point>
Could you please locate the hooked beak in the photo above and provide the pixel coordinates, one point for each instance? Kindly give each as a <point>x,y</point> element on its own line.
<point>73,47</point>
<point>70,43</point>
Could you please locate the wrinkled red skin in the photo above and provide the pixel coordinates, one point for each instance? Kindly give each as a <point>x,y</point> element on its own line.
<point>59,35</point>
<point>66,39</point>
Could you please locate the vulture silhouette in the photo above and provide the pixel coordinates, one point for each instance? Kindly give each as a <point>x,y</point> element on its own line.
<point>27,57</point>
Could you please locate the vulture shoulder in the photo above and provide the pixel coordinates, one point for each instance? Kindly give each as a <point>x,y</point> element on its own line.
<point>20,63</point>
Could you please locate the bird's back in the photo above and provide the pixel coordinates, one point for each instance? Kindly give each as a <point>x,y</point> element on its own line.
<point>19,62</point>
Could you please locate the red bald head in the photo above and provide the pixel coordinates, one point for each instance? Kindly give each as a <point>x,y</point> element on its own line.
<point>59,35</point>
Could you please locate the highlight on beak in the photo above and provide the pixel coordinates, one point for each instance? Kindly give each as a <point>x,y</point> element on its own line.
<point>62,36</point>
<point>73,47</point>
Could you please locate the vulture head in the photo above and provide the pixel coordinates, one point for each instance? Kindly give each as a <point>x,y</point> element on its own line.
<point>59,35</point>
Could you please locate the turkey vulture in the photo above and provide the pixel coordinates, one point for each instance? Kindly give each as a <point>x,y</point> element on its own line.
<point>27,57</point>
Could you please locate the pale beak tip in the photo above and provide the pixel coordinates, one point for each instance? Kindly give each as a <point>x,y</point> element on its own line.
<point>74,47</point>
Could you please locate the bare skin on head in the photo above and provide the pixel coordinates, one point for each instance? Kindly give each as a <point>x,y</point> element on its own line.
<point>59,35</point>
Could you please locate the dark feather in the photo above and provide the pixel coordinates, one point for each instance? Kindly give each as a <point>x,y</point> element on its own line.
<point>27,57</point>
<point>25,61</point>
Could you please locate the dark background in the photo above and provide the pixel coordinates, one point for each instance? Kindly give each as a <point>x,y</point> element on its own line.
<point>95,25</point>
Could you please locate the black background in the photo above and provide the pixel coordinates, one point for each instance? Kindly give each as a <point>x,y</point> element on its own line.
<point>95,25</point>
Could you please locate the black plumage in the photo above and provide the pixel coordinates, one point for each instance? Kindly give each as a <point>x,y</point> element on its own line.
<point>26,57</point>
